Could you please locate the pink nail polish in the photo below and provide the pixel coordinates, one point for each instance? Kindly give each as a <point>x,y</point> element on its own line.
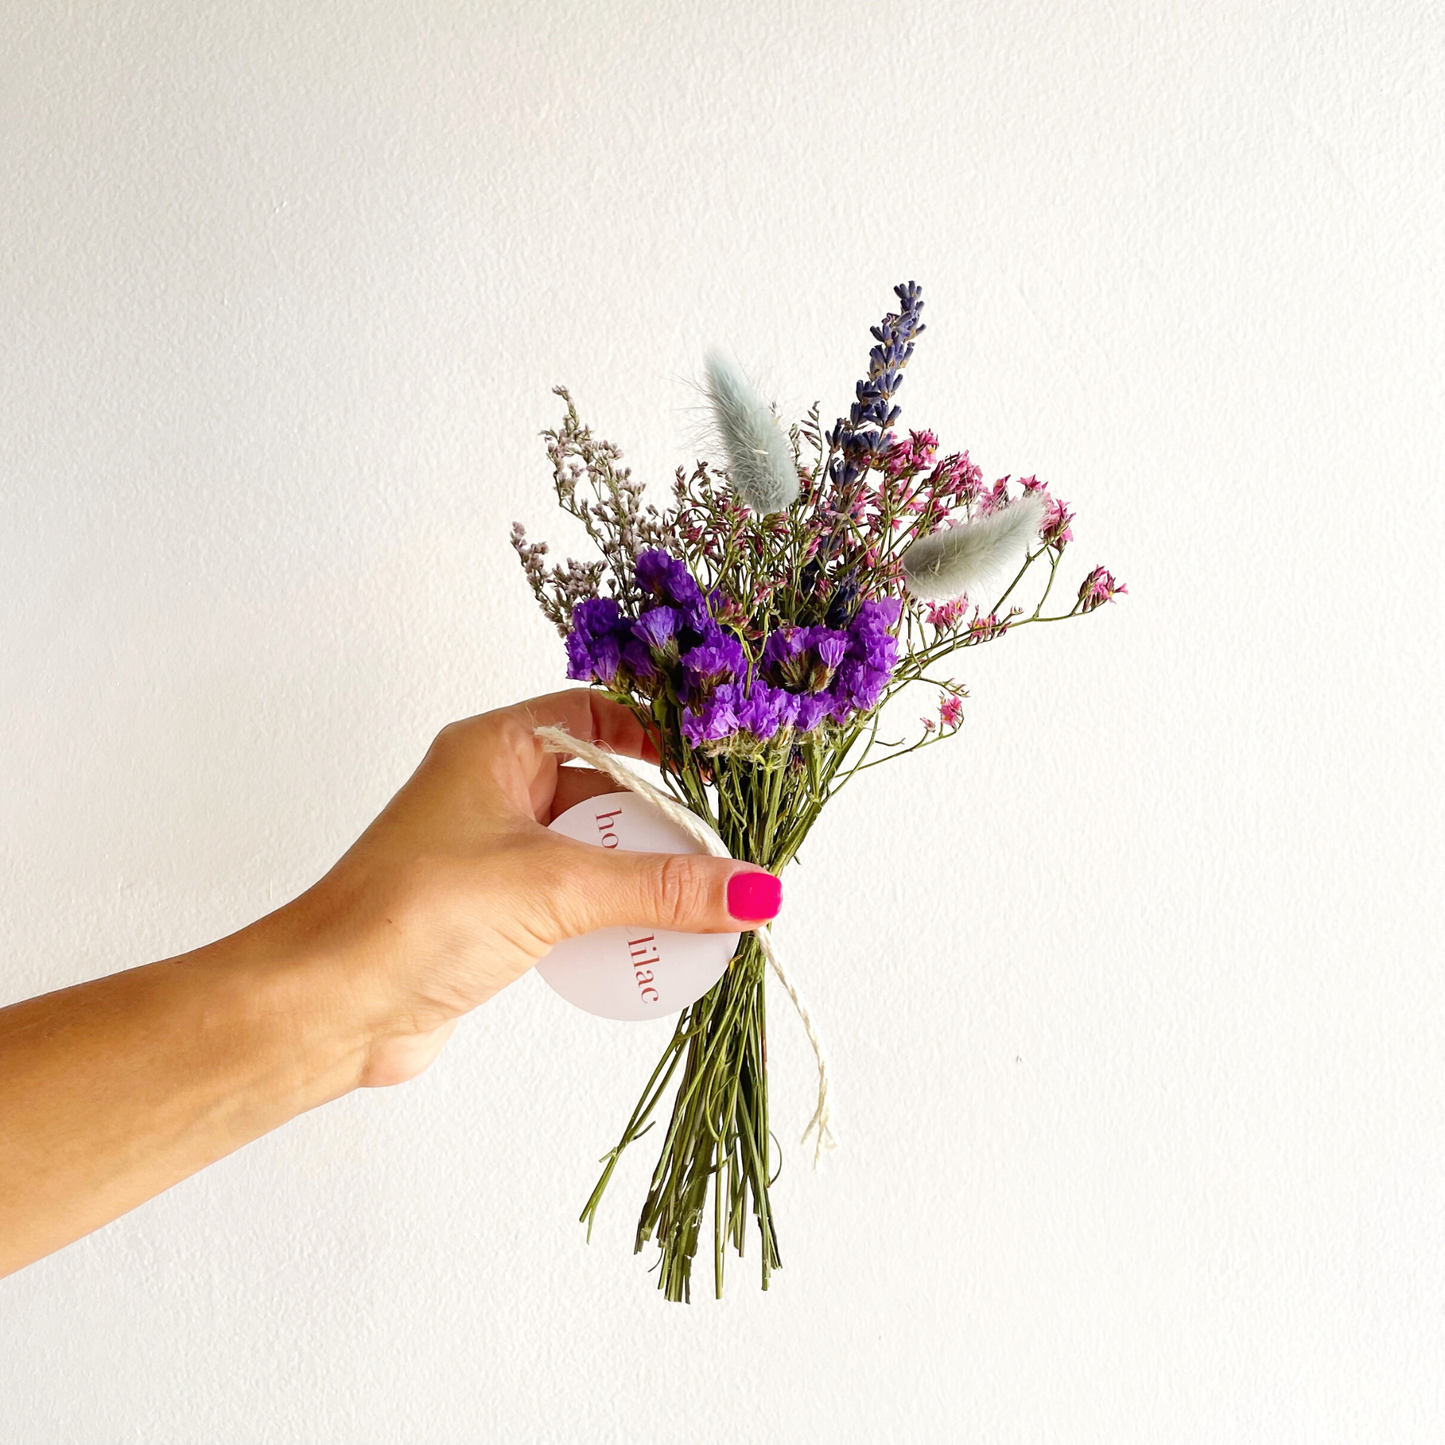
<point>754,897</point>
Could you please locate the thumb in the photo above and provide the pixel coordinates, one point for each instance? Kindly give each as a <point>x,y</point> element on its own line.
<point>689,893</point>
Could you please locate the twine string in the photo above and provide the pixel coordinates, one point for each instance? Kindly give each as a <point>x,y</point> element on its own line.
<point>558,740</point>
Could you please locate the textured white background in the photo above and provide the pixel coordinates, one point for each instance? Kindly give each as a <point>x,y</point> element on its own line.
<point>1134,992</point>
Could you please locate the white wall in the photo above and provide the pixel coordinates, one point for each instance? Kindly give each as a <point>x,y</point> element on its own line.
<point>1134,993</point>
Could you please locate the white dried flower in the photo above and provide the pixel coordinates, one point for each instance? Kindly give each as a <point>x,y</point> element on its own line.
<point>961,559</point>
<point>760,460</point>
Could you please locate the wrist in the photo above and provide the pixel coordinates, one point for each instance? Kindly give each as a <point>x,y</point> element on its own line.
<point>342,956</point>
<point>290,1002</point>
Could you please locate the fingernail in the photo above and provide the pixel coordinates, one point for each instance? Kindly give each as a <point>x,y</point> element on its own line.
<point>754,897</point>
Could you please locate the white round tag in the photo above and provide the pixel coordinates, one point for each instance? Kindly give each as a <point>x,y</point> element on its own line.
<point>638,972</point>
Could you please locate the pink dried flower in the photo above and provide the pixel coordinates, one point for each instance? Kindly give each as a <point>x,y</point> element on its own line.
<point>730,613</point>
<point>1056,531</point>
<point>955,478</point>
<point>985,629</point>
<point>914,499</point>
<point>944,615</point>
<point>911,455</point>
<point>993,499</point>
<point>1098,588</point>
<point>950,712</point>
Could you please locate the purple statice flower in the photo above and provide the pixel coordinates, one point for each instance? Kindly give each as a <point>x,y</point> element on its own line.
<point>714,719</point>
<point>594,645</point>
<point>870,636</point>
<point>812,709</point>
<point>637,658</point>
<point>657,628</point>
<point>718,661</point>
<point>760,712</point>
<point>868,663</point>
<point>803,658</point>
<point>862,438</point>
<point>782,646</point>
<point>857,687</point>
<point>840,701</point>
<point>764,710</point>
<point>596,660</point>
<point>827,645</point>
<point>666,579</point>
<point>595,617</point>
<point>1098,588</point>
<point>787,704</point>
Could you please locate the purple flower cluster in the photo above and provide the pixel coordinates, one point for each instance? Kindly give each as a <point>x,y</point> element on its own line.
<point>672,626</point>
<point>804,675</point>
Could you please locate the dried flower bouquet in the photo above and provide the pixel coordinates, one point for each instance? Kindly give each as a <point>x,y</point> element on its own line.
<point>757,626</point>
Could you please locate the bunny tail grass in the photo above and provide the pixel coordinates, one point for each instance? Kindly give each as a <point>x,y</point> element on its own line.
<point>760,460</point>
<point>960,559</point>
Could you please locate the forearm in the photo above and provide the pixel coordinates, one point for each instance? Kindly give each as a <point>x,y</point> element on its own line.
<point>112,1091</point>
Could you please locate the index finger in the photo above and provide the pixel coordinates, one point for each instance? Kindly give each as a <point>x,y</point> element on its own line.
<point>588,715</point>
<point>583,713</point>
<point>500,749</point>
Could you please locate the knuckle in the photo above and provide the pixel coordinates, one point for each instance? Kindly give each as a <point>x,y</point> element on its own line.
<point>682,891</point>
<point>461,745</point>
<point>449,741</point>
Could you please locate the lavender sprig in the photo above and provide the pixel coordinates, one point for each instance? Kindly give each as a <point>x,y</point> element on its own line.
<point>862,438</point>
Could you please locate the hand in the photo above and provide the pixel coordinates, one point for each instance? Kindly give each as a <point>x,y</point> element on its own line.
<point>458,887</point>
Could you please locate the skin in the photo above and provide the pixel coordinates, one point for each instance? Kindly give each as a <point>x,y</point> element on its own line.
<point>112,1091</point>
